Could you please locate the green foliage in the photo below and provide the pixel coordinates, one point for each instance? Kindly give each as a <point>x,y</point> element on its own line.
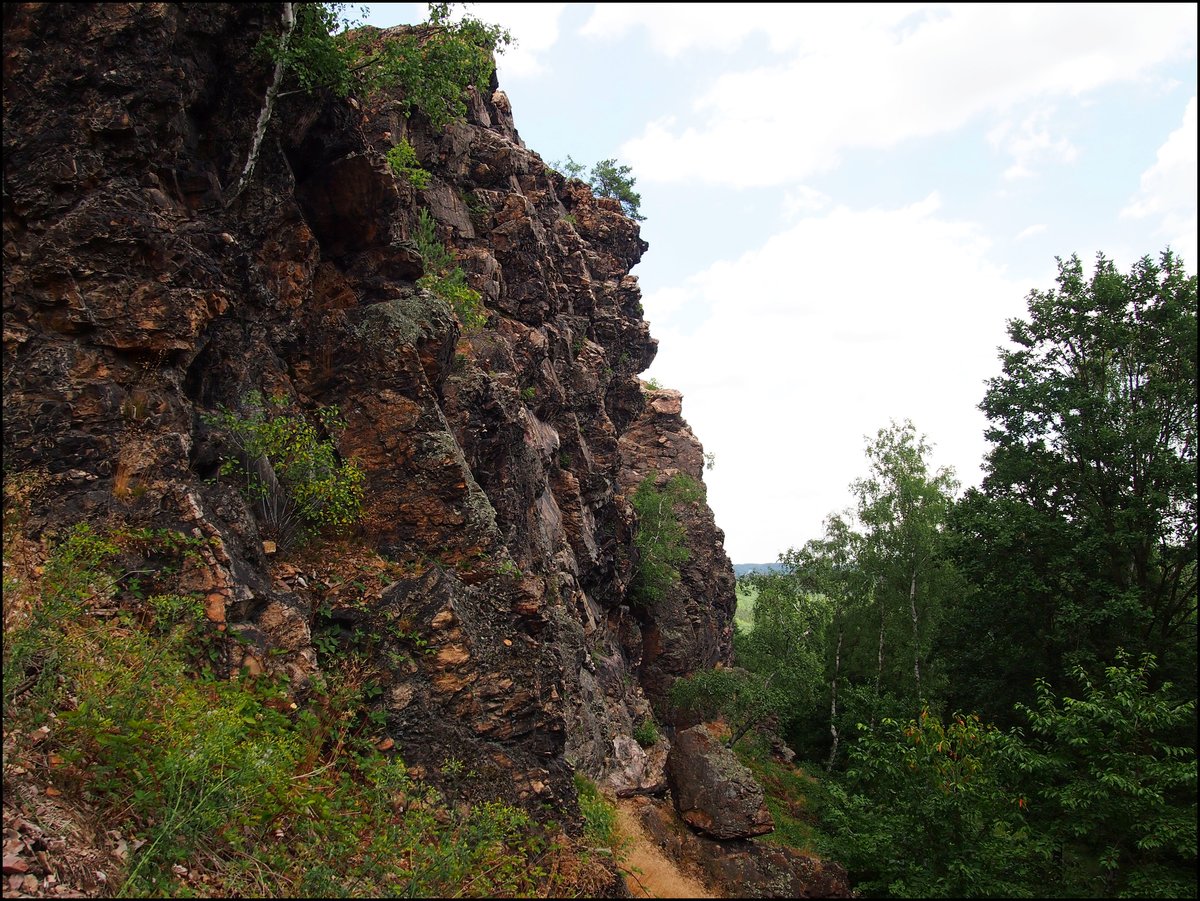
<point>660,536</point>
<point>444,278</point>
<point>607,179</point>
<point>291,475</point>
<point>570,168</point>
<point>431,66</point>
<point>744,699</point>
<point>1083,537</point>
<point>790,795</point>
<point>1099,802</point>
<point>599,818</point>
<point>787,643</point>
<point>612,180</point>
<point>80,568</point>
<point>226,777</point>
<point>646,734</point>
<point>743,616</point>
<point>404,164</point>
<point>934,811</point>
<point>1117,786</point>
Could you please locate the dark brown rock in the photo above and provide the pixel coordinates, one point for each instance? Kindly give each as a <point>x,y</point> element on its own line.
<point>146,286</point>
<point>742,868</point>
<point>712,790</point>
<point>692,627</point>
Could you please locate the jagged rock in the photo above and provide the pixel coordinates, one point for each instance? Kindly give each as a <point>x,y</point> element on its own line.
<point>692,628</point>
<point>742,868</point>
<point>141,294</point>
<point>712,790</point>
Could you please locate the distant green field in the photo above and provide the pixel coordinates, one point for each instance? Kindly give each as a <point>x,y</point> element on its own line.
<point>746,596</point>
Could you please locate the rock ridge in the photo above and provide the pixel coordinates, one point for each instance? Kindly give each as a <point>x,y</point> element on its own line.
<point>142,294</point>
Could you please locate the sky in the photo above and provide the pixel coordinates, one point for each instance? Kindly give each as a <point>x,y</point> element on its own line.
<point>846,203</point>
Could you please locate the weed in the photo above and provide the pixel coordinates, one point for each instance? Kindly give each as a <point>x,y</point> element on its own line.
<point>293,477</point>
<point>450,284</point>
<point>404,164</point>
<point>646,734</point>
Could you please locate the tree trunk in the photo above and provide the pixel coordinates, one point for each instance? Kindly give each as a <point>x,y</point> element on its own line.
<point>912,606</point>
<point>879,667</point>
<point>837,667</point>
<point>264,115</point>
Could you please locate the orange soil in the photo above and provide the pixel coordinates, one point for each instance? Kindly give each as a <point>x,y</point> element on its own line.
<point>648,872</point>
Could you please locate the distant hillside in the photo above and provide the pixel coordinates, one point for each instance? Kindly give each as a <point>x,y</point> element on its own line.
<point>742,569</point>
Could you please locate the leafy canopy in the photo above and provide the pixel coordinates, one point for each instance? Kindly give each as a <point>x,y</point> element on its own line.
<point>1083,537</point>
<point>431,65</point>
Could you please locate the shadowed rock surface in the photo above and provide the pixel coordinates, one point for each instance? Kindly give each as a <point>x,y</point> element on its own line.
<point>140,295</point>
<point>143,293</point>
<point>712,790</point>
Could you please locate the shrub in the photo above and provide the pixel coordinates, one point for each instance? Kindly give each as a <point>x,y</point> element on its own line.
<point>743,698</point>
<point>432,65</point>
<point>659,538</point>
<point>611,180</point>
<point>404,163</point>
<point>450,284</point>
<point>646,734</point>
<point>291,475</point>
<point>607,179</point>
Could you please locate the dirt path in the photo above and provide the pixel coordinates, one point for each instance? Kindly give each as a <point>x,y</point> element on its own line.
<point>649,872</point>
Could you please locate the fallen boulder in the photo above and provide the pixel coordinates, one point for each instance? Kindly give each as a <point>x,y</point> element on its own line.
<point>711,789</point>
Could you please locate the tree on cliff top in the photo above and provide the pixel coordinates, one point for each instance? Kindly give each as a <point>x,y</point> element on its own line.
<point>607,179</point>
<point>432,65</point>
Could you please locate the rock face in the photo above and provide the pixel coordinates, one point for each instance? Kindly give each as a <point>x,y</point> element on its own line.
<point>712,790</point>
<point>741,868</point>
<point>694,624</point>
<point>143,292</point>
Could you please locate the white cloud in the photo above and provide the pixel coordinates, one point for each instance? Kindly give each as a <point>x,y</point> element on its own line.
<point>1030,231</point>
<point>850,76</point>
<point>535,27</point>
<point>820,336</point>
<point>1168,189</point>
<point>801,199</point>
<point>1031,143</point>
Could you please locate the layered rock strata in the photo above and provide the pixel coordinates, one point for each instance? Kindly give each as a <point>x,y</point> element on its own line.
<point>147,285</point>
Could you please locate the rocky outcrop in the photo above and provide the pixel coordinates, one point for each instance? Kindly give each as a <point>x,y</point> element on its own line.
<point>692,628</point>
<point>741,868</point>
<point>146,287</point>
<point>712,790</point>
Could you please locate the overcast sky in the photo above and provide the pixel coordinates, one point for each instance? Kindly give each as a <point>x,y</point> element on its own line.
<point>844,204</point>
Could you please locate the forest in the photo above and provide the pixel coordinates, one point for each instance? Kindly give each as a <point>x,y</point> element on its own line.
<point>995,689</point>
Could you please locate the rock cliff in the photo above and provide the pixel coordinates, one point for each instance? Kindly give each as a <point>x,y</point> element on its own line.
<point>143,293</point>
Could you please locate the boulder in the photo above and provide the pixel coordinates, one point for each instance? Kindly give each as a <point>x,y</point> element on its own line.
<point>711,789</point>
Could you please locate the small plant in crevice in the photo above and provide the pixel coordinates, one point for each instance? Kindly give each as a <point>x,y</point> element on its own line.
<point>445,279</point>
<point>660,536</point>
<point>646,734</point>
<point>292,476</point>
<point>404,164</point>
